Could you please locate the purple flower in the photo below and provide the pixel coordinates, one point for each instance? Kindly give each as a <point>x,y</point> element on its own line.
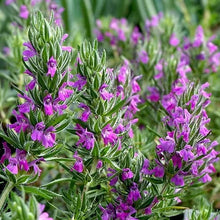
<point>126,174</point>
<point>22,122</point>
<point>199,37</point>
<point>52,67</point>
<point>186,153</point>
<point>178,180</point>
<point>174,41</point>
<point>145,168</point>
<point>30,52</point>
<point>38,131</point>
<point>27,106</point>
<point>46,137</point>
<point>135,36</point>
<point>31,85</point>
<point>110,173</point>
<point>48,105</point>
<point>80,83</point>
<point>86,113</point>
<point>8,2</point>
<point>206,178</point>
<point>167,145</point>
<point>99,164</point>
<point>120,92</point>
<point>105,95</point>
<point>143,57</point>
<point>124,212</point>
<point>122,75</point>
<point>78,166</point>
<point>169,102</point>
<point>65,48</point>
<point>24,13</point>
<point>58,107</point>
<point>49,137</point>
<point>212,47</point>
<point>158,171</point>
<point>108,213</point>
<point>33,164</point>
<point>134,193</point>
<point>108,135</point>
<point>18,162</point>
<point>7,153</point>
<point>6,51</point>
<point>134,85</point>
<point>177,160</point>
<point>154,94</point>
<point>86,138</point>
<point>43,215</point>
<point>12,167</point>
<point>64,93</point>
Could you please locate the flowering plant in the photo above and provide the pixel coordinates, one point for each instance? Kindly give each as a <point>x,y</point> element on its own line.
<point>76,142</point>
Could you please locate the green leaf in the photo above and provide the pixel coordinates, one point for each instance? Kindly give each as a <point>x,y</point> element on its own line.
<point>57,181</point>
<point>116,108</point>
<point>56,120</point>
<point>47,194</point>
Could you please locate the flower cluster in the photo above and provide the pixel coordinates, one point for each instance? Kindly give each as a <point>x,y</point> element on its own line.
<point>49,6</point>
<point>186,150</point>
<point>19,162</point>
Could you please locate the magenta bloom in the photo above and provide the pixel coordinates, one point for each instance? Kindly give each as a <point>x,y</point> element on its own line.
<point>108,135</point>
<point>158,171</point>
<point>48,105</point>
<point>122,75</point>
<point>154,94</point>
<point>49,137</point>
<point>167,145</point>
<point>43,215</point>
<point>199,37</point>
<point>33,164</point>
<point>22,122</point>
<point>174,41</point>
<point>143,57</point>
<point>86,113</point>
<point>7,153</point>
<point>58,107</point>
<point>46,137</point>
<point>64,93</point>
<point>169,102</point>
<point>134,193</point>
<point>145,168</point>
<point>8,2</point>
<point>78,166</point>
<point>135,36</point>
<point>86,138</point>
<point>126,174</point>
<point>18,162</point>
<point>120,92</point>
<point>186,153</point>
<point>38,132</point>
<point>52,67</point>
<point>99,164</point>
<point>27,106</point>
<point>110,173</point>
<point>80,83</point>
<point>31,85</point>
<point>105,95</point>
<point>30,52</point>
<point>178,180</point>
<point>134,85</point>
<point>24,13</point>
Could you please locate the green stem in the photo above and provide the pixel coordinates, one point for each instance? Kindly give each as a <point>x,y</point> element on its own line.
<point>5,193</point>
